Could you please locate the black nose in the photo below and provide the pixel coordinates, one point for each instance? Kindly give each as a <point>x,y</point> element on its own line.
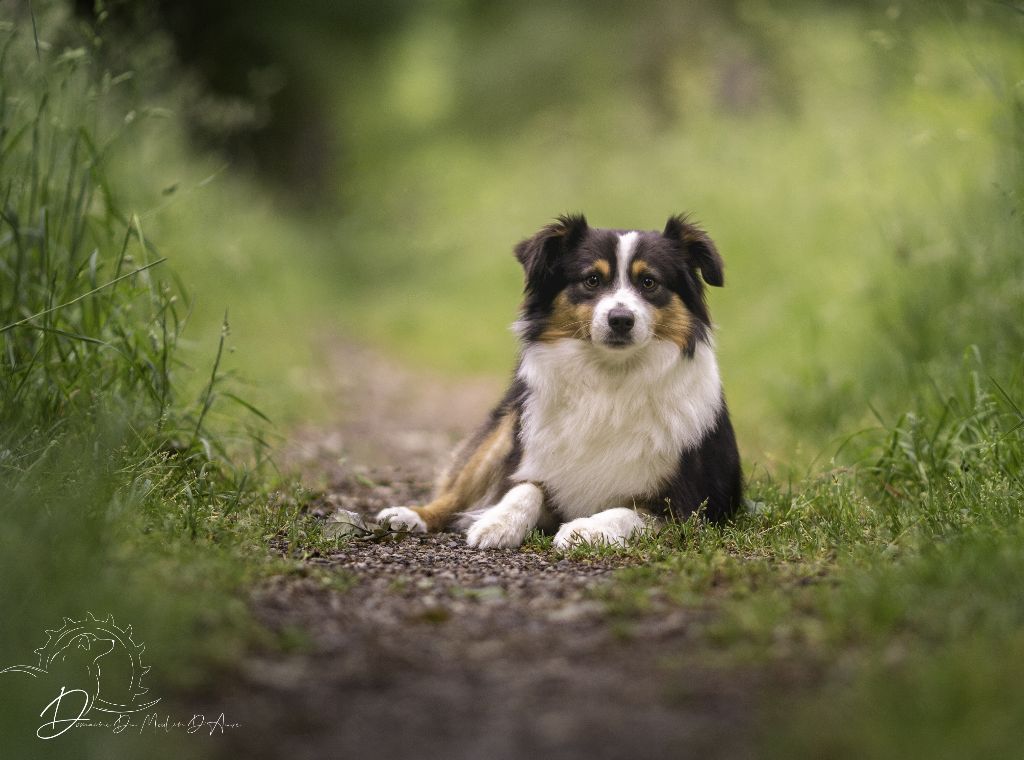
<point>620,320</point>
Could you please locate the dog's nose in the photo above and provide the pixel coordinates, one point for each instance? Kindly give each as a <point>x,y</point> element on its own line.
<point>621,320</point>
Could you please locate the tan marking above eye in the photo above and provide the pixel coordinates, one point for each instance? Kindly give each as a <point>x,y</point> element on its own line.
<point>604,268</point>
<point>641,272</point>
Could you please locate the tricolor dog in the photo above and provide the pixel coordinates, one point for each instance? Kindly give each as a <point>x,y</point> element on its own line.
<point>615,415</point>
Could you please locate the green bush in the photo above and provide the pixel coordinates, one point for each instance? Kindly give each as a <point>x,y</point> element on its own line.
<point>116,493</point>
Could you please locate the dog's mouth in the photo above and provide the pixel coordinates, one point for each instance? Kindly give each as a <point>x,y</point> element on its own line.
<point>620,346</point>
<point>618,342</point>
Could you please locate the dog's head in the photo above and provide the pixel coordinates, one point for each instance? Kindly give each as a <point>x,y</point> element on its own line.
<point>618,290</point>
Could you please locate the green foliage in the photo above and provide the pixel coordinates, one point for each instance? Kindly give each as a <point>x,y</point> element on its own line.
<point>81,319</point>
<point>116,493</point>
<point>894,582</point>
<point>91,319</point>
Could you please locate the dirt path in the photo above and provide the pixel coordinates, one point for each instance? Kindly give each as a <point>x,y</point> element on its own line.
<point>427,649</point>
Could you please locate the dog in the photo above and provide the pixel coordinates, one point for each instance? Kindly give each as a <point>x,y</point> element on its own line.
<point>615,417</point>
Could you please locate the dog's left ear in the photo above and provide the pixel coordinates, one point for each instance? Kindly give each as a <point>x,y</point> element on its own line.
<point>697,247</point>
<point>540,254</point>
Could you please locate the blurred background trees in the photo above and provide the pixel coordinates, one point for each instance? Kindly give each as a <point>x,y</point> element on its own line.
<point>841,154</point>
<point>272,79</point>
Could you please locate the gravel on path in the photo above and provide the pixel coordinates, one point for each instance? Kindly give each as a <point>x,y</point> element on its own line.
<point>424,648</point>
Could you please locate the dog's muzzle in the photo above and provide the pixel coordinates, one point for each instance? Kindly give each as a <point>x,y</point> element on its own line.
<point>620,324</point>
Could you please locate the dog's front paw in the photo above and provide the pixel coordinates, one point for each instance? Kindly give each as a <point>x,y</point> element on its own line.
<point>613,527</point>
<point>583,530</point>
<point>496,530</point>
<point>402,518</point>
<point>507,523</point>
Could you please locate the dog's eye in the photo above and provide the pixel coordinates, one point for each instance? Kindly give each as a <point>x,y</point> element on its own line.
<point>648,283</point>
<point>592,281</point>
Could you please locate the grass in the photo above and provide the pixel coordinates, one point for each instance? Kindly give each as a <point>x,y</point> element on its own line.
<point>869,212</point>
<point>892,582</point>
<point>123,490</point>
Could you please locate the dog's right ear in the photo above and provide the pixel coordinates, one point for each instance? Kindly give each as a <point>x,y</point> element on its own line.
<point>540,254</point>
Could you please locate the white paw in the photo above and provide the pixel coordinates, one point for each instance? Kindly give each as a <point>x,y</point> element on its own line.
<point>584,530</point>
<point>402,518</point>
<point>507,523</point>
<point>612,527</point>
<point>495,530</point>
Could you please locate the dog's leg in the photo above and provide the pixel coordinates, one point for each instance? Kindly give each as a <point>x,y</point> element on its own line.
<point>612,526</point>
<point>509,521</point>
<point>483,468</point>
<point>407,518</point>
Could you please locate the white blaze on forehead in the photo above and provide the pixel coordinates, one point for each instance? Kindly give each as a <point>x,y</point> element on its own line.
<point>624,295</point>
<point>623,255</point>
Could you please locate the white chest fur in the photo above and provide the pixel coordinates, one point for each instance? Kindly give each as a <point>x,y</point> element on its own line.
<point>599,434</point>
